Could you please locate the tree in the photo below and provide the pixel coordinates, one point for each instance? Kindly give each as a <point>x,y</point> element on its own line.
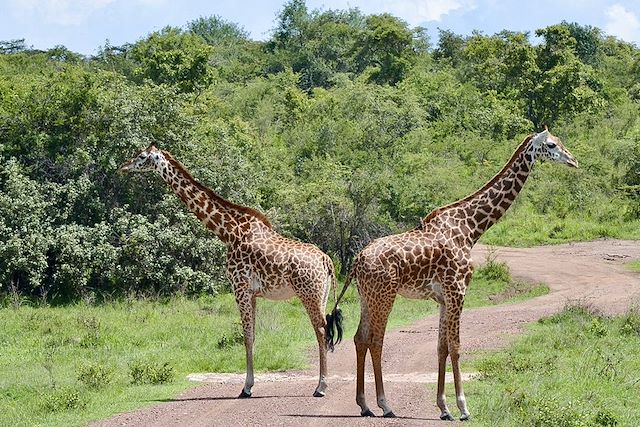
<point>565,85</point>
<point>8,47</point>
<point>450,47</point>
<point>217,31</point>
<point>385,47</point>
<point>588,41</point>
<point>173,57</point>
<point>316,45</point>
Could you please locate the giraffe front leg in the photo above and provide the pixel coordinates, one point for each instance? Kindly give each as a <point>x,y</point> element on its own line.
<point>443,353</point>
<point>453,337</point>
<point>247,306</point>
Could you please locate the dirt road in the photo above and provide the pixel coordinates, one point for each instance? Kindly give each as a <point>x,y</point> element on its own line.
<point>590,272</point>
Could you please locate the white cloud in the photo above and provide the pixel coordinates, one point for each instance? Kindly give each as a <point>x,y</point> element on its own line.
<point>418,11</point>
<point>60,12</point>
<point>415,12</point>
<point>622,23</point>
<point>66,12</point>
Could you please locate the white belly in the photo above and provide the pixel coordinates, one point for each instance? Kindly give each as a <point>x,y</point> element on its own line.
<point>274,291</point>
<point>431,290</point>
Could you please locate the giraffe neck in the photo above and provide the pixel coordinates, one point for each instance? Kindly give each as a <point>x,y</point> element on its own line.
<point>476,213</point>
<point>227,220</point>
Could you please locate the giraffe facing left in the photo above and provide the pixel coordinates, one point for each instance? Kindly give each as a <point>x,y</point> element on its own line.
<point>260,262</point>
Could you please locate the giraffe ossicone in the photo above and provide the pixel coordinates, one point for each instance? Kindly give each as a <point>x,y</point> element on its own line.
<point>260,262</point>
<point>433,261</point>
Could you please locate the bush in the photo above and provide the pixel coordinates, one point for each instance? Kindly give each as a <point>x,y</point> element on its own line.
<point>151,373</point>
<point>94,376</point>
<point>63,399</point>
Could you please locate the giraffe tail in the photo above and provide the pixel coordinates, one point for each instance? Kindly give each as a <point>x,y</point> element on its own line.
<point>334,319</point>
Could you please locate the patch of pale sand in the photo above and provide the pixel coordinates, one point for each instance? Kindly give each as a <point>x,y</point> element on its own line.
<point>413,377</point>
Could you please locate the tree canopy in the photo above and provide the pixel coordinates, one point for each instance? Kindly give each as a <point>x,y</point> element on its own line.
<point>341,127</point>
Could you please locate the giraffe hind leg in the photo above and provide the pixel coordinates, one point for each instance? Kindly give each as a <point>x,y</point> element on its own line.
<point>376,358</point>
<point>315,311</point>
<point>379,323</point>
<point>362,341</point>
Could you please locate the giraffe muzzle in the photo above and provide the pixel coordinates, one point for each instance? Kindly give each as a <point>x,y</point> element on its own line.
<point>571,161</point>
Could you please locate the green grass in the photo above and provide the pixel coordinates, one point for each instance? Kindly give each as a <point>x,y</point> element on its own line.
<point>62,366</point>
<point>575,368</point>
<point>634,265</point>
<point>549,229</point>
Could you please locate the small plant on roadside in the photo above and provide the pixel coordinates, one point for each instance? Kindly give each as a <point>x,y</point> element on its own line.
<point>631,323</point>
<point>547,412</point>
<point>597,327</point>
<point>230,339</point>
<point>605,419</point>
<point>494,269</point>
<point>634,265</point>
<point>576,311</point>
<point>151,373</point>
<point>94,376</point>
<point>63,399</point>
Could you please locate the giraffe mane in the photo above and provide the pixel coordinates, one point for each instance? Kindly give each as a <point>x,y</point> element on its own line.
<point>243,209</point>
<point>437,211</point>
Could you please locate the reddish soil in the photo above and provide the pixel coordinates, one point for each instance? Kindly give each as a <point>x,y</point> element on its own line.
<point>591,273</point>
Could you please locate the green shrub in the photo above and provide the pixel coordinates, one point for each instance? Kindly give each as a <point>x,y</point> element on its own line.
<point>549,412</point>
<point>151,373</point>
<point>63,399</point>
<point>233,338</point>
<point>631,323</point>
<point>494,271</point>
<point>94,376</point>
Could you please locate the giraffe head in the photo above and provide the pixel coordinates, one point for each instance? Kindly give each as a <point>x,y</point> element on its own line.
<point>548,147</point>
<point>145,160</point>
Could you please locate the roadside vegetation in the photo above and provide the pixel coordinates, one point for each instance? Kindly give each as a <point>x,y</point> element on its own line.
<point>62,366</point>
<point>341,127</point>
<point>634,265</point>
<point>575,368</point>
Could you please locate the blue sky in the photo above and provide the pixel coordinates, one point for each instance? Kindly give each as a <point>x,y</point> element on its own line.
<point>84,25</point>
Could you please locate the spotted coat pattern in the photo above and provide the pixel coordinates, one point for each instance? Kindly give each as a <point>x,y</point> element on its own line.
<point>260,262</point>
<point>434,261</point>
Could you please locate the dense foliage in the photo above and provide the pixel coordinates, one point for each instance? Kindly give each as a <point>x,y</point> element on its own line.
<point>341,127</point>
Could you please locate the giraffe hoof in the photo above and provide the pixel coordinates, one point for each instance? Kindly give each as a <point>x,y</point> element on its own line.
<point>244,395</point>
<point>318,393</point>
<point>446,417</point>
<point>367,413</point>
<point>389,414</point>
<point>465,417</point>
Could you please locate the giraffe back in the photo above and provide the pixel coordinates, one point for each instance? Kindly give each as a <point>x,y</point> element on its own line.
<point>278,268</point>
<point>414,264</point>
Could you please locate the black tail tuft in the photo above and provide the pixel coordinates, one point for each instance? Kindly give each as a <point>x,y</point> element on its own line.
<point>334,328</point>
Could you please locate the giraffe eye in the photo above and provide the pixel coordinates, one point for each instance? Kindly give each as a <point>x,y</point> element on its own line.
<point>551,145</point>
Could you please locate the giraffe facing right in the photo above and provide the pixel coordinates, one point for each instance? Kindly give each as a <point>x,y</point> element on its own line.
<point>433,261</point>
